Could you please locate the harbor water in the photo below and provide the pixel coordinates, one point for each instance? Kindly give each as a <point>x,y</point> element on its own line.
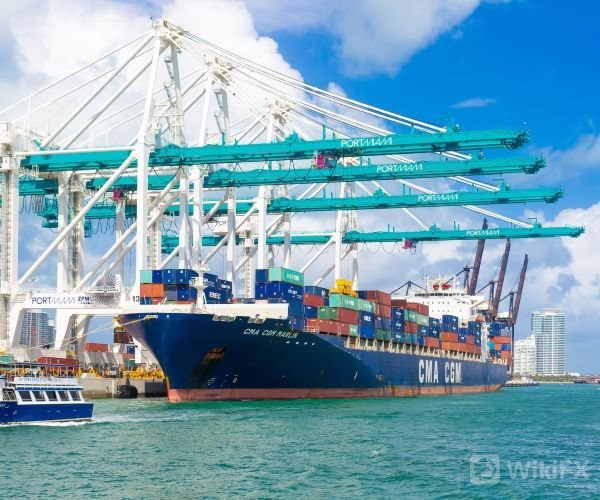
<point>536,442</point>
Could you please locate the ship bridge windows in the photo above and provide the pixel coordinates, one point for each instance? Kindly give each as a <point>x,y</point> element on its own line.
<point>38,395</point>
<point>8,395</point>
<point>25,395</point>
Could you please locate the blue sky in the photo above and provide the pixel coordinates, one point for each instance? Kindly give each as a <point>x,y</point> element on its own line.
<point>483,64</point>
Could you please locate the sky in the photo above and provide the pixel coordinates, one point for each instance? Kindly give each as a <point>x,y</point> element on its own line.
<point>481,64</point>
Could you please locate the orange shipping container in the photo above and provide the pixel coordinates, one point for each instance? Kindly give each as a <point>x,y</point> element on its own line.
<point>146,290</point>
<point>502,339</point>
<point>449,337</point>
<point>158,290</point>
<point>95,347</point>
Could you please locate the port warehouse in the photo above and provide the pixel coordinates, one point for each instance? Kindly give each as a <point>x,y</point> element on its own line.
<point>227,152</point>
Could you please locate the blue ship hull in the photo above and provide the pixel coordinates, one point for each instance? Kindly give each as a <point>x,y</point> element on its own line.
<point>11,412</point>
<point>207,359</point>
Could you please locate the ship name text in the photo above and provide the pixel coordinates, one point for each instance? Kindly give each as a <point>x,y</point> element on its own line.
<point>429,372</point>
<point>271,333</point>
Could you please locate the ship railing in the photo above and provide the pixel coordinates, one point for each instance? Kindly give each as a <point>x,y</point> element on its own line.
<point>46,381</point>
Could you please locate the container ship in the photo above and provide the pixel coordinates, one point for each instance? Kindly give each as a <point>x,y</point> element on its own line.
<point>294,341</point>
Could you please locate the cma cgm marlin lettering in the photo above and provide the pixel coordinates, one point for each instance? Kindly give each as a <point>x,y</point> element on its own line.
<point>292,341</point>
<point>430,372</point>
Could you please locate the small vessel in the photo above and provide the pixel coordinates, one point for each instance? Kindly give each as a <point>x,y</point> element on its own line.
<point>522,382</point>
<point>42,399</point>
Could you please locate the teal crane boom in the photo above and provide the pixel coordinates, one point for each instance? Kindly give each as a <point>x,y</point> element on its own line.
<point>222,178</point>
<point>433,234</point>
<point>292,148</point>
<point>382,201</point>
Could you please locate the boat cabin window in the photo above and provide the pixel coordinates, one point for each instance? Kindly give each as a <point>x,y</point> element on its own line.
<point>8,395</point>
<point>38,395</point>
<point>51,395</point>
<point>63,395</point>
<point>75,395</point>
<point>25,395</point>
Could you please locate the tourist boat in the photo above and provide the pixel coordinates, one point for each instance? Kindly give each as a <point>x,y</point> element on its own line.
<point>42,399</point>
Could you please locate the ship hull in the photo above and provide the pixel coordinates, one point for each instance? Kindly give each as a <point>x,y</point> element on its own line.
<point>207,359</point>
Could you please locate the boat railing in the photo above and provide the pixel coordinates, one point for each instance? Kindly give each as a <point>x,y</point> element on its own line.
<point>46,381</point>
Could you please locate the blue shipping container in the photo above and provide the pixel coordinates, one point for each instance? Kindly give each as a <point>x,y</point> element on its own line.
<point>398,336</point>
<point>282,290</point>
<point>295,308</point>
<point>157,276</point>
<point>366,318</point>
<point>434,322</point>
<point>423,330</point>
<point>383,323</point>
<point>183,276</point>
<point>214,296</point>
<point>210,280</point>
<point>260,290</point>
<point>366,331</point>
<point>224,285</point>
<point>398,314</point>
<point>297,323</point>
<point>130,349</point>
<point>421,340</point>
<point>168,276</point>
<point>311,312</point>
<point>397,326</point>
<point>145,301</point>
<point>316,290</point>
<point>261,276</point>
<point>448,318</point>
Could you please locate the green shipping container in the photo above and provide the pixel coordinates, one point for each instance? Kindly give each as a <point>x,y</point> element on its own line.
<point>383,334</point>
<point>286,275</point>
<point>327,312</point>
<point>353,332</point>
<point>422,320</point>
<point>410,316</point>
<point>145,277</point>
<point>130,364</point>
<point>7,358</point>
<point>366,305</point>
<point>338,300</point>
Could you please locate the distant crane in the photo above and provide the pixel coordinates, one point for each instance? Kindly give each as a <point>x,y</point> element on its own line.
<point>477,264</point>
<point>495,304</point>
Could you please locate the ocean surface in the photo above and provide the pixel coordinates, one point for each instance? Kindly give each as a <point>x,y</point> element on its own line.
<point>535,442</point>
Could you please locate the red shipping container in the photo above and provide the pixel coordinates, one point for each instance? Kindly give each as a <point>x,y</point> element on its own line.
<point>52,361</point>
<point>412,306</point>
<point>313,323</point>
<point>378,296</point>
<point>347,315</point>
<point>157,300</point>
<point>314,300</point>
<point>449,337</point>
<point>470,340</point>
<point>432,342</point>
<point>501,339</point>
<point>385,311</point>
<point>95,347</point>
<point>399,303</point>
<point>423,309</point>
<point>344,329</point>
<point>410,327</point>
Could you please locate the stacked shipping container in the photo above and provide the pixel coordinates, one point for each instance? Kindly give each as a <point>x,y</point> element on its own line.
<point>172,286</point>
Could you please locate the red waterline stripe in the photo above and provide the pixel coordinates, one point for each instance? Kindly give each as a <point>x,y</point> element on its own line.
<point>178,395</point>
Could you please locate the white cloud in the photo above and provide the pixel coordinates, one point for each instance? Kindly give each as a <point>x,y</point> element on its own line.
<point>475,102</point>
<point>372,36</point>
<point>570,162</point>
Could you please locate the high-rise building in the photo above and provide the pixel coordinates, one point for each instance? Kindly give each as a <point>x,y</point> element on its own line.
<point>37,330</point>
<point>525,356</point>
<point>548,327</point>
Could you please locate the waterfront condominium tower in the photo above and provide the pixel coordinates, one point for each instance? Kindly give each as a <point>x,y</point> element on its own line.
<point>525,359</point>
<point>548,327</point>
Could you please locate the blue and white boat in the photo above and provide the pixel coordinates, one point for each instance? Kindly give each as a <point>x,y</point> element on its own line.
<point>42,399</point>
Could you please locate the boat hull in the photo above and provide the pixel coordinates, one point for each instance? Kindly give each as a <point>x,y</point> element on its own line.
<point>205,359</point>
<point>11,412</point>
